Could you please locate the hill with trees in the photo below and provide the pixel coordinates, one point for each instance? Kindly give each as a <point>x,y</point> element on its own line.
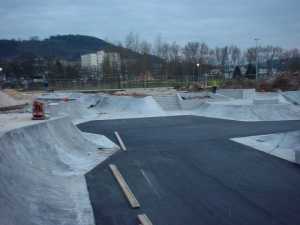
<point>65,47</point>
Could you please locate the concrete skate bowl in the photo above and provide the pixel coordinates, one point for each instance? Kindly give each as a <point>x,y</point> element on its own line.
<point>249,112</point>
<point>129,105</point>
<point>42,169</point>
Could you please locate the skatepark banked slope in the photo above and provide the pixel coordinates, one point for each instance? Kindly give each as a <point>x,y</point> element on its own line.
<point>251,112</point>
<point>111,106</point>
<point>138,105</point>
<point>248,105</point>
<point>240,105</point>
<point>42,169</point>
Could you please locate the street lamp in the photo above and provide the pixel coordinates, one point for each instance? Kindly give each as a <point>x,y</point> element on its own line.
<point>198,65</point>
<point>256,54</point>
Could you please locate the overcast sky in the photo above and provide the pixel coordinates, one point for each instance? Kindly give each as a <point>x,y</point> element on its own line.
<point>217,22</point>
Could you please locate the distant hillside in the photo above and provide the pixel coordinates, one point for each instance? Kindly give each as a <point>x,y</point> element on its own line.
<point>67,47</point>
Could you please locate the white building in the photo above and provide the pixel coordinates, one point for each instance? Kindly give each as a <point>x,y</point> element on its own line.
<point>93,63</point>
<point>113,58</point>
<point>89,61</point>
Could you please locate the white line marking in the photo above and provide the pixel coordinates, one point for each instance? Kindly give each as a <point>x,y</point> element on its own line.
<point>150,183</point>
<point>120,141</point>
<point>144,220</point>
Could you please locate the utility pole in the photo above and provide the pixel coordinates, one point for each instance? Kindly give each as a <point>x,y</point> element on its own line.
<point>256,55</point>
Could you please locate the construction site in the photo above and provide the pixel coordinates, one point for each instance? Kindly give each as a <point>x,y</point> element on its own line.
<point>150,156</point>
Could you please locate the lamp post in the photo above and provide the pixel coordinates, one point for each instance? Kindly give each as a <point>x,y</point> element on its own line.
<point>198,65</point>
<point>256,55</point>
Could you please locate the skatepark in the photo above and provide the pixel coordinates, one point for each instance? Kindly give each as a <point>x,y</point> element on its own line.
<point>230,157</point>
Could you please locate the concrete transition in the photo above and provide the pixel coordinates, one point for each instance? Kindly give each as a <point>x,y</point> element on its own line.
<point>42,173</point>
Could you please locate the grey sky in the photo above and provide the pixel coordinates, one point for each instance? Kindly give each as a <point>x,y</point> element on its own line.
<point>217,22</point>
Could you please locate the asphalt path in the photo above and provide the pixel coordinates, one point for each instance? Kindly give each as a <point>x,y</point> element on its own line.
<point>184,170</point>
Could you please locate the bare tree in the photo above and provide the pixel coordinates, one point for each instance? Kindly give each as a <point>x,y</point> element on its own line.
<point>132,41</point>
<point>224,56</point>
<point>219,55</point>
<point>212,56</point>
<point>235,55</point>
<point>203,53</point>
<point>268,54</point>
<point>157,50</point>
<point>251,55</point>
<point>191,52</point>
<point>145,47</point>
<point>174,51</point>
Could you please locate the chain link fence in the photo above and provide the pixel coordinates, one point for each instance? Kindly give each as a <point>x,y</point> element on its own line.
<point>107,83</point>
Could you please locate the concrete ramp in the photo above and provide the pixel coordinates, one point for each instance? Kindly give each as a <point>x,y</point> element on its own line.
<point>169,102</point>
<point>249,112</point>
<point>76,110</point>
<point>128,104</point>
<point>292,96</point>
<point>282,145</point>
<point>237,93</point>
<point>42,169</point>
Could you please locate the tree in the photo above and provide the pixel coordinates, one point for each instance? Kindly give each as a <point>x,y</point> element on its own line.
<point>237,74</point>
<point>235,55</point>
<point>158,46</point>
<point>269,54</point>
<point>219,57</point>
<point>191,52</point>
<point>203,53</point>
<point>294,64</point>
<point>251,55</point>
<point>174,67</point>
<point>132,42</point>
<point>145,47</point>
<point>251,71</point>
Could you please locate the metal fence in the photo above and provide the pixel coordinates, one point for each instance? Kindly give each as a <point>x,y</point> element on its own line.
<point>81,84</point>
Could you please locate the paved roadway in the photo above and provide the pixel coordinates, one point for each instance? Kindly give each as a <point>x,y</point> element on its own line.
<point>185,171</point>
